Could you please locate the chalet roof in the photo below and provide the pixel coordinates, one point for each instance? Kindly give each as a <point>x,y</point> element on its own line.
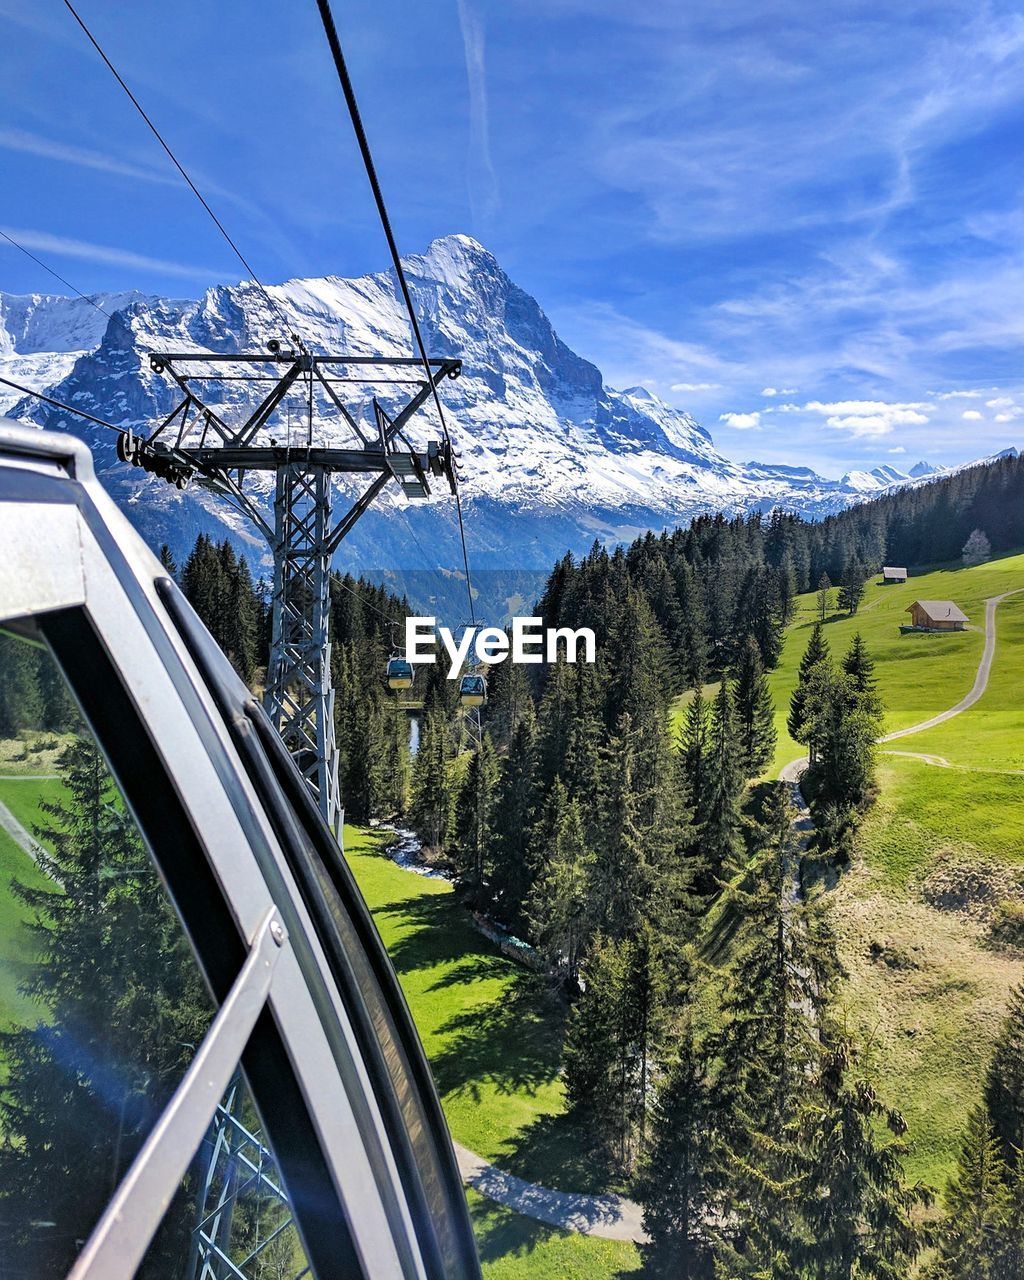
<point>890,570</point>
<point>939,610</point>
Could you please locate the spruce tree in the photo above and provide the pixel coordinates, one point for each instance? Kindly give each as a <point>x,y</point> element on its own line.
<point>1004,1084</point>
<point>755,711</point>
<point>21,704</point>
<point>824,596</point>
<point>859,665</point>
<point>815,655</point>
<point>717,813</point>
<point>125,1005</point>
<point>432,791</point>
<point>972,1232</point>
<point>859,1212</point>
<point>473,846</point>
<point>515,812</point>
<point>682,1176</point>
<point>558,903</point>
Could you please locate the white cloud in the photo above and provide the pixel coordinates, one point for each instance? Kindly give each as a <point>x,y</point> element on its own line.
<point>957,395</point>
<point>68,248</point>
<point>899,449</point>
<point>741,421</point>
<point>972,415</point>
<point>1000,402</point>
<point>695,386</point>
<point>1009,415</point>
<point>868,418</point>
<point>769,391</point>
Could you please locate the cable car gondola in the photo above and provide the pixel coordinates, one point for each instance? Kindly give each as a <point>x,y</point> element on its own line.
<point>472,691</point>
<point>400,674</point>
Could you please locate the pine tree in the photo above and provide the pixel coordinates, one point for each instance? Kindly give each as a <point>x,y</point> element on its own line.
<point>824,589</point>
<point>20,702</point>
<point>124,1004</point>
<point>858,1210</point>
<point>851,590</point>
<point>474,833</point>
<point>1004,1084</point>
<point>615,1027</point>
<point>972,1231</point>
<point>681,1179</point>
<point>815,655</point>
<point>859,665</point>
<point>558,904</point>
<point>717,813</point>
<point>755,712</point>
<point>168,561</point>
<point>515,812</point>
<point>432,791</point>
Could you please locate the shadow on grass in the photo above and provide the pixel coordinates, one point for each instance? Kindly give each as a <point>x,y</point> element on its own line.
<point>500,1233</point>
<point>513,1042</point>
<point>564,1153</point>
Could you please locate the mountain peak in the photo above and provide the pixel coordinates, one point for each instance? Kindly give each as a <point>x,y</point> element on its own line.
<point>640,393</point>
<point>453,260</point>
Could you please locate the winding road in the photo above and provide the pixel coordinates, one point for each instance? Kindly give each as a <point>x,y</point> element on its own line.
<point>791,772</point>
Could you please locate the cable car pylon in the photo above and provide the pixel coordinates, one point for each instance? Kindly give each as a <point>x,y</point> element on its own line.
<point>195,444</point>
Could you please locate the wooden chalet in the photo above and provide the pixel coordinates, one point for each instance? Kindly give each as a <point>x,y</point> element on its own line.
<point>936,615</point>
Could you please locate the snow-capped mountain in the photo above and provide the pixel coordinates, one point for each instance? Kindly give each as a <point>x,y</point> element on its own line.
<point>552,457</point>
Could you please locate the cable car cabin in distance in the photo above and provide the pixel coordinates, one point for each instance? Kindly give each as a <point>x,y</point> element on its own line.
<point>291,1048</point>
<point>472,691</point>
<point>401,674</point>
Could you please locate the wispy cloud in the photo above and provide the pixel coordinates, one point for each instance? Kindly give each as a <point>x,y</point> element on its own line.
<point>869,418</point>
<point>483,181</point>
<point>64,246</point>
<point>48,149</point>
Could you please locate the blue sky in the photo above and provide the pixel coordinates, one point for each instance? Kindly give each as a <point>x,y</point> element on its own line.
<point>802,222</point>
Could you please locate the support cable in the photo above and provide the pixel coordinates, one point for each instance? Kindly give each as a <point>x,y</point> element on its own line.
<point>348,90</point>
<point>274,305</point>
<point>56,275</point>
<point>59,404</point>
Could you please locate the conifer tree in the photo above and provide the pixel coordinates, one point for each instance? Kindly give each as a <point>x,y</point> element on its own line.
<point>474,832</point>
<point>168,561</point>
<point>851,589</point>
<point>755,711</point>
<point>859,665</point>
<point>682,1176</point>
<point>515,812</point>
<point>858,1210</point>
<point>719,822</point>
<point>508,701</point>
<point>972,1233</point>
<point>815,655</point>
<point>20,702</point>
<point>432,791</point>
<point>124,1005</point>
<point>824,597</point>
<point>694,747</point>
<point>558,904</point>
<point>1004,1084</point>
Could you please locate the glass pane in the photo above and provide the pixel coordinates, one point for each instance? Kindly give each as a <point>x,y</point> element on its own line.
<point>102,1006</point>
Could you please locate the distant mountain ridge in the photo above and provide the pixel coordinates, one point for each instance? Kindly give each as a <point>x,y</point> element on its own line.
<point>553,458</point>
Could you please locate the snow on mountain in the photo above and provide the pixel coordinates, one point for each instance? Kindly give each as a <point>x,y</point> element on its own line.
<point>552,457</point>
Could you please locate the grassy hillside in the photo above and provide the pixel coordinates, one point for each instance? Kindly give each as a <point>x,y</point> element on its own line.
<point>941,849</point>
<point>918,675</point>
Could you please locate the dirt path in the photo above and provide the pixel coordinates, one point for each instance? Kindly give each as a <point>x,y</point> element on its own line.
<point>611,1216</point>
<point>793,771</point>
<point>21,837</point>
<point>980,680</point>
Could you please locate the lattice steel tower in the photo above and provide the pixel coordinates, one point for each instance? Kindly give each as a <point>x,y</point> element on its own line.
<point>195,442</point>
